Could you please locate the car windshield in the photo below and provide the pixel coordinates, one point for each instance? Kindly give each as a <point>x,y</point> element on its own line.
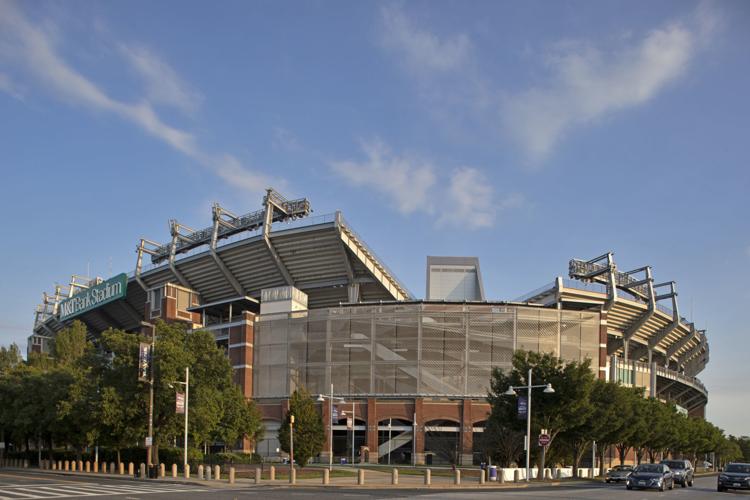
<point>622,467</point>
<point>741,468</point>
<point>675,465</point>
<point>650,468</point>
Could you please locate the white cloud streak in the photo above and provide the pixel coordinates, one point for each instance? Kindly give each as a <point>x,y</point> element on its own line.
<point>163,84</point>
<point>586,81</point>
<point>27,45</point>
<point>589,83</point>
<point>421,49</point>
<point>465,198</point>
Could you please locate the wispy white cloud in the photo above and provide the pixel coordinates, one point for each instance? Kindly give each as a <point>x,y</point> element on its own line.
<point>588,83</point>
<point>163,84</point>
<point>585,82</point>
<point>406,182</point>
<point>464,197</point>
<point>31,47</point>
<point>419,48</point>
<point>9,87</point>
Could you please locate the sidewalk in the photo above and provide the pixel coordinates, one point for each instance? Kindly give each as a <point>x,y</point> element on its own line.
<point>373,479</point>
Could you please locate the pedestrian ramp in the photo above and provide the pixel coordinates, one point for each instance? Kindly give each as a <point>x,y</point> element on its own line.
<point>395,442</point>
<point>76,489</point>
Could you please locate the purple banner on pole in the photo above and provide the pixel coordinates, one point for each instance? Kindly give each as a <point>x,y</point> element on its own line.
<point>523,407</point>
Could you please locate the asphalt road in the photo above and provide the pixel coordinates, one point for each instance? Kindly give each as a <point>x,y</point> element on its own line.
<point>34,485</point>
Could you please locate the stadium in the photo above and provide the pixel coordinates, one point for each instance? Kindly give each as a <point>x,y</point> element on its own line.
<point>300,300</point>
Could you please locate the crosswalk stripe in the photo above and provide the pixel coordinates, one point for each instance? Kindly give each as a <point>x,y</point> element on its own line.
<point>29,491</point>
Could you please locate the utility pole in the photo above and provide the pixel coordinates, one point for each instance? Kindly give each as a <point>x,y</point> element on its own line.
<point>291,444</point>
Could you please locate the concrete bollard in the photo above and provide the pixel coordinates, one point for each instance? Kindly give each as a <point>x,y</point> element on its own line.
<point>59,465</point>
<point>547,474</point>
<point>516,476</point>
<point>394,476</point>
<point>427,477</point>
<point>120,468</point>
<point>25,464</point>
<point>131,469</point>
<point>326,476</point>
<point>293,476</point>
<point>481,476</point>
<point>80,466</point>
<point>88,466</point>
<point>162,471</point>
<point>257,475</point>
<point>187,471</point>
<point>73,466</point>
<point>501,476</point>
<point>231,475</point>
<point>174,471</point>
<point>207,472</point>
<point>360,477</point>
<point>272,473</point>
<point>457,478</point>
<point>217,473</point>
<point>200,472</point>
<point>54,465</point>
<point>96,466</point>
<point>142,470</point>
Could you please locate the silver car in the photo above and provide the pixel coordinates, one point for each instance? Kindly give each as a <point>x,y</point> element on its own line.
<point>618,473</point>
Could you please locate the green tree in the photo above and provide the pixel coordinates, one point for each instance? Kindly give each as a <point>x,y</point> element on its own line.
<point>10,357</point>
<point>309,436</point>
<point>567,408</point>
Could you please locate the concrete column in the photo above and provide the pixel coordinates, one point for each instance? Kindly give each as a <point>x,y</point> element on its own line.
<point>457,477</point>
<point>293,476</point>
<point>257,475</point>
<point>481,476</point>
<point>88,466</point>
<point>120,468</point>
<point>360,477</point>
<point>372,430</point>
<point>217,472</point>
<point>162,471</point>
<point>326,476</point>
<point>73,465</point>
<point>231,475</point>
<point>59,465</point>
<point>131,468</point>
<point>207,473</point>
<point>186,472</point>
<point>272,473</point>
<point>80,465</point>
<point>174,471</point>
<point>96,466</point>
<point>200,472</point>
<point>516,476</point>
<point>394,476</point>
<point>427,477</point>
<point>142,470</point>
<point>547,474</point>
<point>500,475</point>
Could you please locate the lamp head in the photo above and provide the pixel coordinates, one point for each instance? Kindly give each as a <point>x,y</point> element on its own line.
<point>549,389</point>
<point>509,392</point>
<point>321,399</point>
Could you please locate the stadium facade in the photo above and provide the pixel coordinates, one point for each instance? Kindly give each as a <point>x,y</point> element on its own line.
<point>297,300</point>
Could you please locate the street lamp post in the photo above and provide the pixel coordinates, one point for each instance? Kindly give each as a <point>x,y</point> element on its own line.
<point>512,392</point>
<point>187,408</point>
<point>390,421</point>
<point>321,399</point>
<point>354,425</point>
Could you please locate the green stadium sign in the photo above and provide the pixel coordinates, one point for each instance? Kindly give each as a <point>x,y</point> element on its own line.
<point>86,300</point>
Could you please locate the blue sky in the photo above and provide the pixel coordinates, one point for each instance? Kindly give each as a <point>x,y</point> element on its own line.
<point>522,133</point>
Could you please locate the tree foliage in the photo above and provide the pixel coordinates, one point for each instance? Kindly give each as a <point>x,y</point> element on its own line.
<point>309,435</point>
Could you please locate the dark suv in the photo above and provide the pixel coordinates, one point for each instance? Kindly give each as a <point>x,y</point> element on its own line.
<point>683,471</point>
<point>735,477</point>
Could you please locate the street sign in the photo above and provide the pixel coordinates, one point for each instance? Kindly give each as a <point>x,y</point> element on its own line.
<point>180,403</point>
<point>149,441</point>
<point>335,415</point>
<point>544,439</point>
<point>523,407</point>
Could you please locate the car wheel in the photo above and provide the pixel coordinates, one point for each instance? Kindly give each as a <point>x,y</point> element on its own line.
<point>690,483</point>
<point>684,484</point>
<point>719,489</point>
<point>628,487</point>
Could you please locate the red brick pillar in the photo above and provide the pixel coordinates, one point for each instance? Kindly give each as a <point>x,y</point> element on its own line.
<point>240,351</point>
<point>372,430</point>
<point>467,436</point>
<point>419,431</point>
<point>326,414</point>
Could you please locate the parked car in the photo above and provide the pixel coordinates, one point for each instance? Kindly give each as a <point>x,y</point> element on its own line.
<point>645,476</point>
<point>735,476</point>
<point>682,470</point>
<point>618,473</point>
